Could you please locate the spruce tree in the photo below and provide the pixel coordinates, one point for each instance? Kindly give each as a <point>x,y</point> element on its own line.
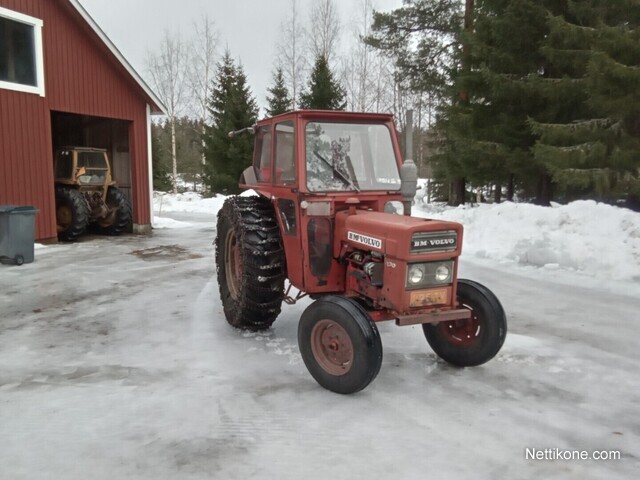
<point>160,160</point>
<point>488,139</point>
<point>232,107</point>
<point>423,36</point>
<point>542,95</point>
<point>324,92</point>
<point>549,104</point>
<point>278,98</point>
<point>593,150</point>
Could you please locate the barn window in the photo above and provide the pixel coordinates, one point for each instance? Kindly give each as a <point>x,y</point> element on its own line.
<point>21,61</point>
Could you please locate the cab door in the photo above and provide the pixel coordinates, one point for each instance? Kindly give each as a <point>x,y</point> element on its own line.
<point>285,198</point>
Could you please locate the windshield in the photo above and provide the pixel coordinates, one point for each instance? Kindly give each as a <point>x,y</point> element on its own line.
<point>350,157</point>
<point>92,168</point>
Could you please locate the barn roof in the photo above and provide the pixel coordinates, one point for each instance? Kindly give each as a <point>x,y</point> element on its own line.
<point>158,104</point>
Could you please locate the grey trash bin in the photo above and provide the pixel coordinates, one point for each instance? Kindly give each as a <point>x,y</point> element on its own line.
<point>17,234</point>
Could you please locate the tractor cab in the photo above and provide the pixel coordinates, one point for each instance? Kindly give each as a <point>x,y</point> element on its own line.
<point>315,164</point>
<point>82,167</point>
<point>341,153</point>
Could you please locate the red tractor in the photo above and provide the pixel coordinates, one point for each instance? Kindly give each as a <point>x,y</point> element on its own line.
<point>333,218</point>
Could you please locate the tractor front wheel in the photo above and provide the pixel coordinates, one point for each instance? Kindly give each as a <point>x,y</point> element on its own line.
<point>340,344</point>
<point>72,214</point>
<point>119,219</point>
<point>250,262</point>
<point>474,341</point>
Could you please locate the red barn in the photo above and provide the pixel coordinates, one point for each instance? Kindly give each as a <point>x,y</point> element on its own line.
<point>62,82</point>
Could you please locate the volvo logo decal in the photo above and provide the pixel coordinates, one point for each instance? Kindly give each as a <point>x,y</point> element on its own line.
<point>434,242</point>
<point>365,240</point>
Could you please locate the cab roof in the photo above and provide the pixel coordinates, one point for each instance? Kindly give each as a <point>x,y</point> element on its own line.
<point>332,115</point>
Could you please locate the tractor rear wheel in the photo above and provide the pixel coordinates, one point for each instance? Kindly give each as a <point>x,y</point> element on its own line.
<point>72,214</point>
<point>250,262</point>
<point>471,342</point>
<point>119,219</point>
<point>340,344</point>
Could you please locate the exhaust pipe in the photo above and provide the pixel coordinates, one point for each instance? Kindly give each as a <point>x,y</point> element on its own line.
<point>409,170</point>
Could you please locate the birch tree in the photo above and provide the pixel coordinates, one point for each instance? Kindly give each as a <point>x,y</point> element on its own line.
<point>291,52</point>
<point>324,29</point>
<point>203,48</point>
<point>167,70</point>
<point>364,52</point>
<point>366,73</point>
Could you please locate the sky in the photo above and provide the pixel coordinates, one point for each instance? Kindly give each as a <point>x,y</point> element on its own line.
<point>249,28</point>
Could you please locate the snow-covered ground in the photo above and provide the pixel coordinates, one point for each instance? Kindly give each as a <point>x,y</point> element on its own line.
<point>116,362</point>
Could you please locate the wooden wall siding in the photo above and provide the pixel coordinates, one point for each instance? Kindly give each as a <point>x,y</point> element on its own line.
<point>81,76</point>
<point>26,173</point>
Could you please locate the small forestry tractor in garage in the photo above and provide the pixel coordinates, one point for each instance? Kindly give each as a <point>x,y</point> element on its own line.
<point>333,218</point>
<point>86,194</point>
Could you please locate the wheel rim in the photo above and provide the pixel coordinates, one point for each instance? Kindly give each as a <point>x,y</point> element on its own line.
<point>233,264</point>
<point>64,217</point>
<point>464,332</point>
<point>332,347</point>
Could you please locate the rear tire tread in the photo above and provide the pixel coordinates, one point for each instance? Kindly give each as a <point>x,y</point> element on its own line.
<point>264,268</point>
<point>79,210</point>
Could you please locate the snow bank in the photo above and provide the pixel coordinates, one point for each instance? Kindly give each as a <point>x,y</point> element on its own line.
<point>592,238</point>
<point>190,202</point>
<point>585,236</point>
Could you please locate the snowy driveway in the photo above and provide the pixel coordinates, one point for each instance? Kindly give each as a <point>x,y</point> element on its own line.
<point>122,366</point>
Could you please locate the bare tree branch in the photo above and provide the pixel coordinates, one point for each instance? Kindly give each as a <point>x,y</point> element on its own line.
<point>204,53</point>
<point>367,75</point>
<point>325,29</point>
<point>167,70</point>
<point>291,52</point>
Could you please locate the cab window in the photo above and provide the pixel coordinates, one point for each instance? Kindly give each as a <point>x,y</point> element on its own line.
<point>262,161</point>
<point>285,154</point>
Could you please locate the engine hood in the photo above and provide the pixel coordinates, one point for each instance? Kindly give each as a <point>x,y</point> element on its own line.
<point>397,236</point>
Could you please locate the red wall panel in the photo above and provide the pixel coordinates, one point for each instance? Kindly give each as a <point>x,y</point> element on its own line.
<point>81,76</point>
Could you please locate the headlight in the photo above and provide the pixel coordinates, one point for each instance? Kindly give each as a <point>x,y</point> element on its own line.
<point>395,207</point>
<point>442,273</point>
<point>430,274</point>
<point>416,274</point>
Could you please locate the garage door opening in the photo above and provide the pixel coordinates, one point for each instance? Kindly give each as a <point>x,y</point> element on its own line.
<point>70,130</point>
<point>90,153</point>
